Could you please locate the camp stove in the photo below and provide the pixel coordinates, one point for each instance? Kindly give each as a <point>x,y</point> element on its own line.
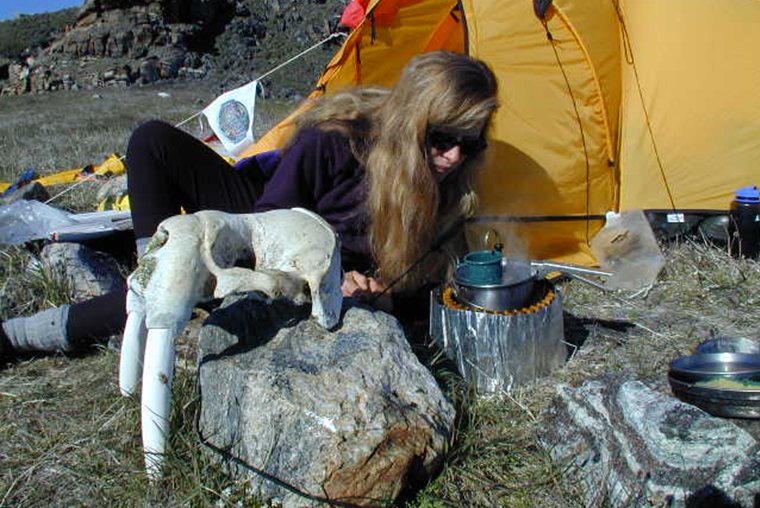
<point>500,319</point>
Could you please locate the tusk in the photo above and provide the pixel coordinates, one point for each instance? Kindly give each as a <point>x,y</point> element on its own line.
<point>157,397</point>
<point>132,352</point>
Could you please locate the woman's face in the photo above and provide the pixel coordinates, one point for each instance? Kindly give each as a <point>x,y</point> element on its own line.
<point>448,148</point>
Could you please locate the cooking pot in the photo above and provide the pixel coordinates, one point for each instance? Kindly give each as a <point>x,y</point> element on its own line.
<point>514,290</point>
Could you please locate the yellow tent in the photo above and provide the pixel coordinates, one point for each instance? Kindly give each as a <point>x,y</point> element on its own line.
<point>607,105</point>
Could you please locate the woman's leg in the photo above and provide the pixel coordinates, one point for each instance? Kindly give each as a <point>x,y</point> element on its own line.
<point>97,318</point>
<point>169,170</point>
<point>66,328</point>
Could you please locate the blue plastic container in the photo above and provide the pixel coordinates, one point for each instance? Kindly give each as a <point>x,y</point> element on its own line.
<point>744,223</point>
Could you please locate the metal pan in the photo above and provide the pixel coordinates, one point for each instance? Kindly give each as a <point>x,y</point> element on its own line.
<point>704,367</point>
<point>515,290</point>
<point>727,402</point>
<point>512,293</point>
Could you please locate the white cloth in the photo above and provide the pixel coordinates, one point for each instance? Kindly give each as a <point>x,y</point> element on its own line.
<point>24,220</point>
<point>231,117</point>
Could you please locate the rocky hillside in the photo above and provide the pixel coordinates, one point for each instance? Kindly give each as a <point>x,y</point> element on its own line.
<point>128,42</point>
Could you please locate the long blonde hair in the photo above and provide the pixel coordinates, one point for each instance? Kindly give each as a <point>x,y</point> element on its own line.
<point>387,129</point>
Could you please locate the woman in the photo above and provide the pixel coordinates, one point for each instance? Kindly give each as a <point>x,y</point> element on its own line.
<point>390,169</point>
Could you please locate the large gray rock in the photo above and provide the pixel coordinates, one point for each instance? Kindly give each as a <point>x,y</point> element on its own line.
<point>635,447</point>
<point>107,45</point>
<point>349,414</point>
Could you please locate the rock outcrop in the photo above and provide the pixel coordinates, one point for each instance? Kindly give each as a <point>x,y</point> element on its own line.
<point>120,42</point>
<point>350,415</point>
<point>125,42</point>
<point>637,447</point>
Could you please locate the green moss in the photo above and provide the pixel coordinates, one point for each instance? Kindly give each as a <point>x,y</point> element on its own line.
<point>145,270</point>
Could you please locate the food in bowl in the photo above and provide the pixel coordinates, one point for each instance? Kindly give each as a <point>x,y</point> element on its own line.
<point>730,384</point>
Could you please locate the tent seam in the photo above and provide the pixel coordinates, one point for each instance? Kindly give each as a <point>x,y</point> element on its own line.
<point>597,83</point>
<point>444,20</point>
<point>470,28</point>
<point>550,38</point>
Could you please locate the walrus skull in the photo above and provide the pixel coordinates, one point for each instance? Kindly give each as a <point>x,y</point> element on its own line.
<point>193,258</point>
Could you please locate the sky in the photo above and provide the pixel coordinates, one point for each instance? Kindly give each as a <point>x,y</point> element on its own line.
<point>9,8</point>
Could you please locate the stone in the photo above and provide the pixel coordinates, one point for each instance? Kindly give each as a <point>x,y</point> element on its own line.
<point>350,414</point>
<point>112,190</point>
<point>170,63</point>
<point>634,446</point>
<point>91,273</point>
<point>149,70</point>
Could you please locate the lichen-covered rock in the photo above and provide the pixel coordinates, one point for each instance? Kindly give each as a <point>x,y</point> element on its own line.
<point>633,446</point>
<point>348,414</point>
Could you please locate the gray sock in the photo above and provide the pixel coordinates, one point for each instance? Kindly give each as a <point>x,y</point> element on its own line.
<point>44,331</point>
<point>141,244</point>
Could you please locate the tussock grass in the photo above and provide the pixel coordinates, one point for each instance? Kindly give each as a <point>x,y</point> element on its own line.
<point>27,286</point>
<point>70,439</point>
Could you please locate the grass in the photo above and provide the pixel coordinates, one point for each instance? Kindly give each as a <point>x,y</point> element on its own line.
<point>69,438</point>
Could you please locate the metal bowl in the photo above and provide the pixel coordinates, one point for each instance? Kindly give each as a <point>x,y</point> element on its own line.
<point>703,367</point>
<point>729,345</point>
<point>718,401</point>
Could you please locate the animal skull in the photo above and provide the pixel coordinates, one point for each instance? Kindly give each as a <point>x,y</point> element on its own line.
<point>192,259</point>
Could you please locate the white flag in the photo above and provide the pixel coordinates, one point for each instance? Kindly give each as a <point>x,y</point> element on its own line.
<point>231,117</point>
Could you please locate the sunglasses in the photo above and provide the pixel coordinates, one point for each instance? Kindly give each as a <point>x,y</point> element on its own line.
<point>446,140</point>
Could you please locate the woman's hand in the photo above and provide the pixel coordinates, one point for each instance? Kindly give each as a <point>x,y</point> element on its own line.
<point>366,289</point>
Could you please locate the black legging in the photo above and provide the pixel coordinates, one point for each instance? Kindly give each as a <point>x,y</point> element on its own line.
<point>168,170</point>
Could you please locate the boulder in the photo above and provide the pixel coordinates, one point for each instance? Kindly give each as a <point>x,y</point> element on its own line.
<point>113,189</point>
<point>149,70</point>
<point>634,446</point>
<point>91,273</point>
<point>349,414</point>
